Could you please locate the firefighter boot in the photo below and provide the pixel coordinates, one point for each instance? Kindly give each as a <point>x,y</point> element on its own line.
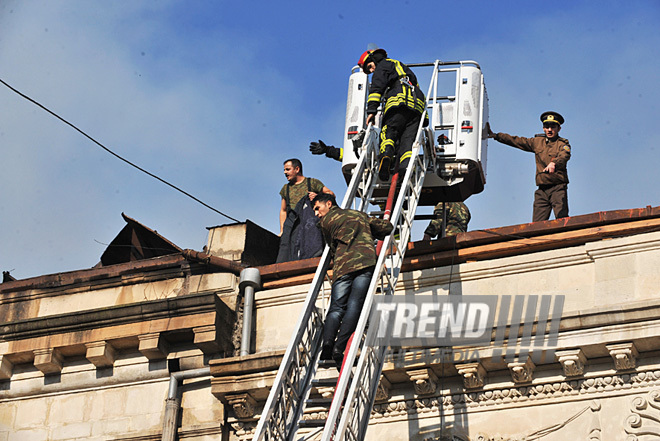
<point>385,162</point>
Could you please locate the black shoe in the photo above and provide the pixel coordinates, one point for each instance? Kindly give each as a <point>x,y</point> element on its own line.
<point>338,357</point>
<point>384,168</point>
<point>326,353</point>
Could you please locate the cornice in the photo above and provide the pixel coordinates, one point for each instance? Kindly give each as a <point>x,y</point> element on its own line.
<point>510,397</point>
<point>112,316</point>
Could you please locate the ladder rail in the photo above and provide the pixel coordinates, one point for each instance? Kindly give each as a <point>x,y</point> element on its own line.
<point>357,407</point>
<point>284,405</point>
<point>356,387</point>
<point>416,171</point>
<point>367,373</point>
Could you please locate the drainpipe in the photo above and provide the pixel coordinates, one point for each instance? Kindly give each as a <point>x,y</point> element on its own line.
<point>173,402</point>
<point>250,280</point>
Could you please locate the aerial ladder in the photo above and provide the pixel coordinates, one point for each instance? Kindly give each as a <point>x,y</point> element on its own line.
<point>431,173</point>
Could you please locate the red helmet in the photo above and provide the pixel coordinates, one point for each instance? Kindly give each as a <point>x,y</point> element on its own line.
<point>368,53</point>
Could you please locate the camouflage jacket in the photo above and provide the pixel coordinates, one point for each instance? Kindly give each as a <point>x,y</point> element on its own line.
<point>458,217</point>
<point>350,235</point>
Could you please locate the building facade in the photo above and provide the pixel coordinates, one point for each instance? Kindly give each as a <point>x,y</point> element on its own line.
<point>148,343</point>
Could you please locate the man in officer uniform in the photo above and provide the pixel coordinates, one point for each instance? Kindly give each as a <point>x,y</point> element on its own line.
<point>552,153</point>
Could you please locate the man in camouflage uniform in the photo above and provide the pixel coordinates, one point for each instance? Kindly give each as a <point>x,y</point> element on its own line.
<point>350,235</point>
<point>552,153</point>
<point>458,217</point>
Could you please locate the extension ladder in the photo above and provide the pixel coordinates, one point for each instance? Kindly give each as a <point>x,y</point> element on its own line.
<point>355,391</point>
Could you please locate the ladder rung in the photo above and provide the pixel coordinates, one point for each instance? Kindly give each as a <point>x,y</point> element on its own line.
<point>324,382</point>
<point>319,402</point>
<point>311,423</point>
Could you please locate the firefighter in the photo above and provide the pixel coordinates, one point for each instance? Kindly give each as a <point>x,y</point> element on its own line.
<point>552,153</point>
<point>404,103</point>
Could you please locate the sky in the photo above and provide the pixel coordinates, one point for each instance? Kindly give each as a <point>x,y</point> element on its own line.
<point>213,96</point>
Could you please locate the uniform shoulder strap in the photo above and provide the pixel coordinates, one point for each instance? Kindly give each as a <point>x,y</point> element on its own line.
<point>288,198</point>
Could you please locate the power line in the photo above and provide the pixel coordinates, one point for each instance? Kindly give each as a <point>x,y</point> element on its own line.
<point>113,153</point>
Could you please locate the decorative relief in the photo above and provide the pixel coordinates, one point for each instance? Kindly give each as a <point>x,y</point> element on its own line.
<point>243,405</point>
<point>547,390</point>
<point>594,427</point>
<point>644,422</point>
<point>473,374</point>
<point>424,381</point>
<point>624,356</point>
<point>518,394</point>
<point>522,372</point>
<point>383,391</point>
<point>244,429</point>
<point>572,361</point>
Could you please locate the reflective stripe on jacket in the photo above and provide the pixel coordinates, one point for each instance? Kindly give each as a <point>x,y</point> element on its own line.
<point>397,84</point>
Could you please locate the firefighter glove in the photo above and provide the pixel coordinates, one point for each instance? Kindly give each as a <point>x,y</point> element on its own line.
<point>318,148</point>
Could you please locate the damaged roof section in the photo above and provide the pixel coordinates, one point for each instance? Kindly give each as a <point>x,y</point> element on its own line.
<point>136,242</point>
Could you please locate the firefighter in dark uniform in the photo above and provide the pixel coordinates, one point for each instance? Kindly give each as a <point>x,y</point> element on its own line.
<point>552,153</point>
<point>404,103</point>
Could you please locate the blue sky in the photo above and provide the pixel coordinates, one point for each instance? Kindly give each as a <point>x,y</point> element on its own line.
<point>214,95</point>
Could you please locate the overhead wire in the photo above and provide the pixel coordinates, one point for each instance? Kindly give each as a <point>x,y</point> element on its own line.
<point>115,154</point>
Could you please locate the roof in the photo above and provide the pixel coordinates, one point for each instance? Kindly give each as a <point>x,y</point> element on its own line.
<point>495,242</point>
<point>136,242</point>
<point>471,246</point>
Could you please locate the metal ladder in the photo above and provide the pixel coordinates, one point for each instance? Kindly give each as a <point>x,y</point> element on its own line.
<point>355,391</point>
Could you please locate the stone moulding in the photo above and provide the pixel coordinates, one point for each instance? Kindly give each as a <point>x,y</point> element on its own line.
<point>624,356</point>
<point>6,368</point>
<point>243,404</point>
<point>383,391</point>
<point>518,395</point>
<point>522,373</point>
<point>48,360</point>
<point>473,374</point>
<point>424,381</point>
<point>572,361</point>
<point>100,353</point>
